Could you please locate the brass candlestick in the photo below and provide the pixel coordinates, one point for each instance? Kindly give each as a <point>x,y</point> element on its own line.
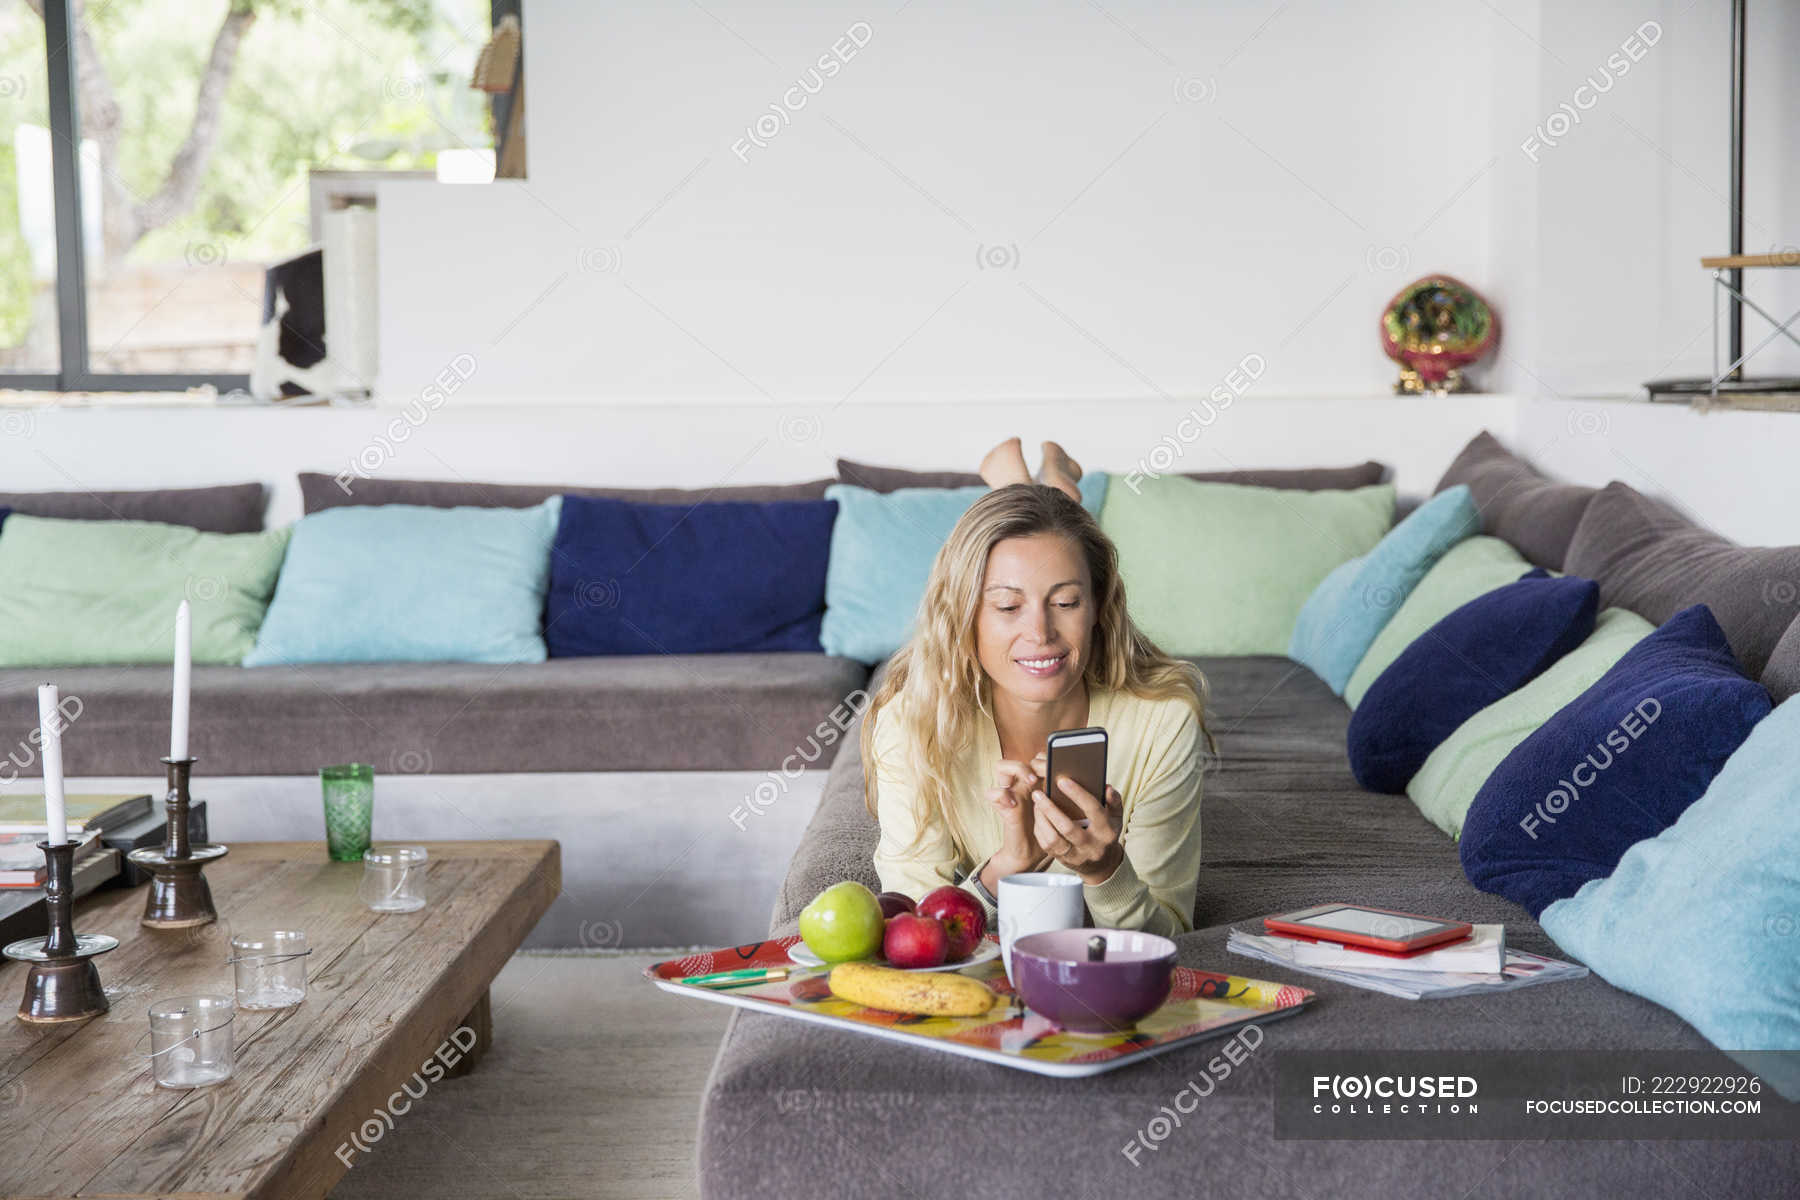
<point>64,984</point>
<point>179,896</point>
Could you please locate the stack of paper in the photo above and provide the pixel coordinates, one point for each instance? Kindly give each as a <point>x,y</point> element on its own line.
<point>1484,950</point>
<point>1406,978</point>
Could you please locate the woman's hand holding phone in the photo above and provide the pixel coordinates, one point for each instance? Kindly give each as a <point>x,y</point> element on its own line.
<point>1092,852</point>
<point>1019,851</point>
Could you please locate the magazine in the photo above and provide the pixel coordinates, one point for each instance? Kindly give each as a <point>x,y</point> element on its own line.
<point>1523,969</point>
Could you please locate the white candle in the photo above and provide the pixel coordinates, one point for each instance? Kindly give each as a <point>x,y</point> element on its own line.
<point>50,730</point>
<point>184,668</point>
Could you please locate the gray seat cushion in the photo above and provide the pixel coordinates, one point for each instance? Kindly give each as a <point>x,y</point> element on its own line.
<point>800,1110</point>
<point>712,712</point>
<point>228,508</point>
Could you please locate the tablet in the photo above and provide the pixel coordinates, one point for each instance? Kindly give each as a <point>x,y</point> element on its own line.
<point>1371,928</point>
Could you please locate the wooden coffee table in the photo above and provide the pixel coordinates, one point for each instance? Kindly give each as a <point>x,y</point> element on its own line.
<point>79,1115</point>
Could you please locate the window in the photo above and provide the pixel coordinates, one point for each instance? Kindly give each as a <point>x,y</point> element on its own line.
<point>209,133</point>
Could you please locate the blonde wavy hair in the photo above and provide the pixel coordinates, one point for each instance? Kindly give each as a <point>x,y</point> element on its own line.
<point>939,677</point>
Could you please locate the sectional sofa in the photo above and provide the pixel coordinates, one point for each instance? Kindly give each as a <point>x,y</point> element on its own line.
<point>702,758</point>
<point>795,1111</point>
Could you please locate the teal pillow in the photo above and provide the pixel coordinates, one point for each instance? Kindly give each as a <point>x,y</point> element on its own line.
<point>1704,918</point>
<point>1223,568</point>
<point>401,583</point>
<point>882,548</point>
<point>104,593</point>
<point>1353,604</point>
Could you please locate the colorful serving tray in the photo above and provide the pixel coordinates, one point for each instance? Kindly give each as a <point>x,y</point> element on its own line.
<point>1202,1005</point>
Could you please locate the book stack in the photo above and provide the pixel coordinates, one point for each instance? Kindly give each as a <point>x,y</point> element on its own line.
<point>22,863</point>
<point>1481,962</point>
<point>95,822</point>
<point>89,817</point>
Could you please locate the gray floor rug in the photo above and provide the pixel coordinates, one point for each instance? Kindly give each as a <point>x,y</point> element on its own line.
<point>591,1089</point>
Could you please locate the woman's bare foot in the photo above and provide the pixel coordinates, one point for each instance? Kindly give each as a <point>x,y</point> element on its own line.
<point>1005,464</point>
<point>1060,471</point>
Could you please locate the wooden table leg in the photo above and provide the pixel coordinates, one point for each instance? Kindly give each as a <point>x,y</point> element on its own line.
<point>480,1021</point>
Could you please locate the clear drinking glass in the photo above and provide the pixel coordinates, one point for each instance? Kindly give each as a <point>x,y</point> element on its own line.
<point>394,878</point>
<point>349,809</point>
<point>269,969</point>
<point>191,1041</point>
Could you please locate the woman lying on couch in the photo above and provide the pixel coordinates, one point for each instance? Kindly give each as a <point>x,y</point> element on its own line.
<point>1023,631</point>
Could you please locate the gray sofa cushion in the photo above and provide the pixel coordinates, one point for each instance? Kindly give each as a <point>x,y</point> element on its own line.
<point>228,508</point>
<point>319,491</point>
<point>800,1110</point>
<point>1537,515</point>
<point>1649,558</point>
<point>711,712</point>
<point>1306,479</point>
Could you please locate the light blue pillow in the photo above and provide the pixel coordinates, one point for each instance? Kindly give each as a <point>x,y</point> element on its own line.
<point>882,548</point>
<point>1353,604</point>
<point>402,583</point>
<point>1704,918</point>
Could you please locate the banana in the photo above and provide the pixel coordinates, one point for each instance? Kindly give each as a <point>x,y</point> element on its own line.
<point>930,994</point>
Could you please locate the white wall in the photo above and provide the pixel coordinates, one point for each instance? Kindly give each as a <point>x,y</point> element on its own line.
<point>1163,188</point>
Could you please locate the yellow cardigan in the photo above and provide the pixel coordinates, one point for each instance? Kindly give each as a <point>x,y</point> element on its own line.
<point>1154,759</point>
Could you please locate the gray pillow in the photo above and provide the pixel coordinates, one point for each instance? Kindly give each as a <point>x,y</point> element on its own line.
<point>319,491</point>
<point>1537,515</point>
<point>1782,677</point>
<point>228,508</point>
<point>1649,558</point>
<point>1305,479</point>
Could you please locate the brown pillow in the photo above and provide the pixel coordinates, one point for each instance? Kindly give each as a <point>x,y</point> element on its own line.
<point>1649,558</point>
<point>1306,479</point>
<point>1537,515</point>
<point>229,508</point>
<point>319,491</point>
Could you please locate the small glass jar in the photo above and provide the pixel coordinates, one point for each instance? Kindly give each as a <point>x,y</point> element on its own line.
<point>394,878</point>
<point>269,969</point>
<point>191,1041</point>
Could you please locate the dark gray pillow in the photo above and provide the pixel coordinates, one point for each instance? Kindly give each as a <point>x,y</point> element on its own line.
<point>319,491</point>
<point>1307,479</point>
<point>1782,677</point>
<point>1537,515</point>
<point>1649,558</point>
<point>229,508</point>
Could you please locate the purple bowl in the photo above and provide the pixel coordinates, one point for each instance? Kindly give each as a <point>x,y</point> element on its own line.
<point>1052,974</point>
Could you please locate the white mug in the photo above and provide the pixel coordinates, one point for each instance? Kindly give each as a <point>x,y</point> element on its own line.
<point>1037,902</point>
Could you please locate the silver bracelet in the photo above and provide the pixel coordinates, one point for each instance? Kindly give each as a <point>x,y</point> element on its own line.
<point>981,888</point>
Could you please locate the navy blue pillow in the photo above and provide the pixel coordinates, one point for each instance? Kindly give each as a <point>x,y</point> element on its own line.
<point>1482,652</point>
<point>1618,764</point>
<point>628,578</point>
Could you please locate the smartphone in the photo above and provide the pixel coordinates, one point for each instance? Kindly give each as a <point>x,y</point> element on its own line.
<point>1081,755</point>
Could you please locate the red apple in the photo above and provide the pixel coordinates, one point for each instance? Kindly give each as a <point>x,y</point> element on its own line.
<point>963,917</point>
<point>895,903</point>
<point>915,941</point>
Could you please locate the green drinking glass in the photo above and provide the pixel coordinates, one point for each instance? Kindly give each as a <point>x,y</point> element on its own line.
<point>349,809</point>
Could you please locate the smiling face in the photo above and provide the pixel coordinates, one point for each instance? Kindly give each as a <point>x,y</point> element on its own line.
<point>1037,617</point>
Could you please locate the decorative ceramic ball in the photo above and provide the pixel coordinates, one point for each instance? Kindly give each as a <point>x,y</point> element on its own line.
<point>1434,327</point>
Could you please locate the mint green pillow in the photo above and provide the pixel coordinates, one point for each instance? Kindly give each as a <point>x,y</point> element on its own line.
<point>1471,568</point>
<point>1446,784</point>
<point>1224,569</point>
<point>104,593</point>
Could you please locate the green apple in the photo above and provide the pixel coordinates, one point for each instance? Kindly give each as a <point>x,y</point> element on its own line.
<point>844,922</point>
